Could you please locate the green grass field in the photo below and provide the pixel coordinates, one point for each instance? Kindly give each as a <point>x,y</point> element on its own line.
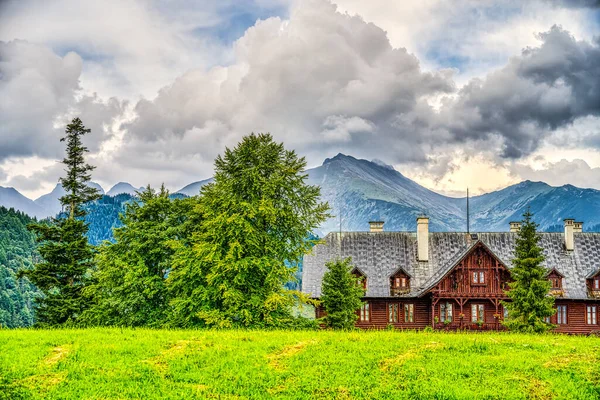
<point>159,364</point>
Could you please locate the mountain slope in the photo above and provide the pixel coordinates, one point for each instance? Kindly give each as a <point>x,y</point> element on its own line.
<point>11,198</point>
<point>193,189</point>
<point>123,188</point>
<point>50,202</point>
<point>363,190</point>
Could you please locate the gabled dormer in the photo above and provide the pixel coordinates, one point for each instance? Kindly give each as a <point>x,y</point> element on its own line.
<point>593,283</point>
<point>399,282</point>
<point>556,281</point>
<point>361,277</point>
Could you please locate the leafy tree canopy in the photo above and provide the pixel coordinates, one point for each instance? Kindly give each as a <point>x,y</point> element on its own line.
<point>256,216</point>
<point>129,288</point>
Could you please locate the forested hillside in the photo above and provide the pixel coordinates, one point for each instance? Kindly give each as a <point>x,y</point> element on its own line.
<point>17,249</point>
<point>103,215</point>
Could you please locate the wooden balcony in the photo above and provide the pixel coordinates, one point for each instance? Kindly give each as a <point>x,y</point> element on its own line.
<point>399,291</point>
<point>595,293</point>
<point>473,292</point>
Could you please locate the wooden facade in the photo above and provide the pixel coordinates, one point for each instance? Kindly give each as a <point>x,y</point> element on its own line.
<point>469,296</point>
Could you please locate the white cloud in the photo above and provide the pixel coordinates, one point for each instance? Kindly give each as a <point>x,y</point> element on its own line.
<point>321,81</point>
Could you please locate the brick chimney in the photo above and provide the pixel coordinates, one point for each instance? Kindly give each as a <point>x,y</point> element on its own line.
<point>578,227</point>
<point>423,238</point>
<point>569,228</point>
<point>515,226</point>
<point>376,226</point>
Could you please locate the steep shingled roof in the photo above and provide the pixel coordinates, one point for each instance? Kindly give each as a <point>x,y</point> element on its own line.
<point>380,254</point>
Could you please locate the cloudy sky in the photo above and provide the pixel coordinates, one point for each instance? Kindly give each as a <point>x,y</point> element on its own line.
<point>471,93</point>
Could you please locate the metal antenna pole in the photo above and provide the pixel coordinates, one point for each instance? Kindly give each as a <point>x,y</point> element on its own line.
<point>468,222</point>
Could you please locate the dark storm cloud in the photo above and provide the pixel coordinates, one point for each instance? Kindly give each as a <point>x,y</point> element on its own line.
<point>545,88</point>
<point>575,3</point>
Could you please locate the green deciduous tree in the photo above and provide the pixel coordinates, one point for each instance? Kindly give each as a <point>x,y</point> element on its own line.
<point>129,286</point>
<point>66,255</point>
<point>341,294</point>
<point>530,301</point>
<point>256,216</point>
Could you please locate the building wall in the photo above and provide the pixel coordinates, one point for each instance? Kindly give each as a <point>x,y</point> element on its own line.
<point>576,315</point>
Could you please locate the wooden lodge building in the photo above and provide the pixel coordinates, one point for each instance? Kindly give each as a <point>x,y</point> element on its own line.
<point>452,280</point>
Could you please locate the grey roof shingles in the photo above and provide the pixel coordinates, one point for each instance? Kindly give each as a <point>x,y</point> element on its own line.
<point>379,254</point>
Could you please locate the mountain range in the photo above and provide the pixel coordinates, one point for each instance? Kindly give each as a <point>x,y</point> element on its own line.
<point>359,191</point>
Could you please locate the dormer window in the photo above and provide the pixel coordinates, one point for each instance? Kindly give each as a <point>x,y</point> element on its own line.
<point>556,281</point>
<point>594,284</point>
<point>361,278</point>
<point>399,283</point>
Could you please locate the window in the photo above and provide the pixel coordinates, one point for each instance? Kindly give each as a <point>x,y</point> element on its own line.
<point>409,313</point>
<point>364,313</point>
<point>561,315</point>
<point>393,310</point>
<point>478,277</point>
<point>400,282</point>
<point>591,315</point>
<point>596,285</point>
<point>477,312</point>
<point>446,312</point>
<point>505,312</point>
<point>556,282</point>
<point>547,319</point>
<point>360,278</point>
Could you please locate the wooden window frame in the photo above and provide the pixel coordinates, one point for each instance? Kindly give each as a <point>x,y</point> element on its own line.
<point>365,310</point>
<point>591,315</point>
<point>561,314</point>
<point>478,277</point>
<point>444,314</point>
<point>409,313</point>
<point>393,310</point>
<point>475,316</point>
<point>596,283</point>
<point>556,283</point>
<point>400,282</point>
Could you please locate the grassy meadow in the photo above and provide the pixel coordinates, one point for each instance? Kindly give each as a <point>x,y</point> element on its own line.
<point>159,364</point>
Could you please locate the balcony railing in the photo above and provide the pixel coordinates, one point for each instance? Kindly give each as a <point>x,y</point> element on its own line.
<point>397,291</point>
<point>595,293</point>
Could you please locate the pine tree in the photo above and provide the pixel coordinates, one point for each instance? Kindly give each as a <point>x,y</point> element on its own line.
<point>67,257</point>
<point>530,303</point>
<point>341,294</point>
<point>256,216</point>
<point>129,288</point>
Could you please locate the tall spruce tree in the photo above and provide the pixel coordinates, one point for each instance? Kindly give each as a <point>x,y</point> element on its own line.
<point>256,216</point>
<point>67,257</point>
<point>341,294</point>
<point>530,303</point>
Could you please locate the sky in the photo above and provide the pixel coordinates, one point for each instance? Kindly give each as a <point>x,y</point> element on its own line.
<point>469,93</point>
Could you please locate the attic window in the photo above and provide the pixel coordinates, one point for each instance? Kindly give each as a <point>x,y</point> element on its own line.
<point>478,277</point>
<point>399,283</point>
<point>556,282</point>
<point>361,279</point>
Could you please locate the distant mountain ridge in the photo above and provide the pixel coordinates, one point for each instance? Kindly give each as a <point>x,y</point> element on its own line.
<point>360,190</point>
